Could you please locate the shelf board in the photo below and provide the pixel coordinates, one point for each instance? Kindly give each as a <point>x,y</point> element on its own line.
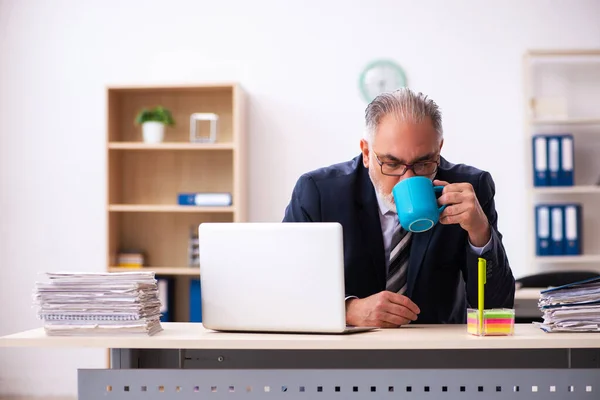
<point>567,189</point>
<point>568,121</point>
<point>591,258</point>
<point>169,146</point>
<point>167,208</point>
<point>187,271</point>
<point>170,87</point>
<point>563,52</point>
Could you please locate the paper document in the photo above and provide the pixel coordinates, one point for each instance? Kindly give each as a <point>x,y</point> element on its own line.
<point>99,303</point>
<point>571,308</point>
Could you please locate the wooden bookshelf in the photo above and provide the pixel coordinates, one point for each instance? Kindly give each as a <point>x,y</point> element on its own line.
<point>144,180</point>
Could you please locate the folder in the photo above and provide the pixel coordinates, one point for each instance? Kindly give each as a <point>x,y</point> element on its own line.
<point>540,161</point>
<point>542,228</point>
<point>572,307</point>
<point>557,229</point>
<point>566,160</point>
<point>573,229</point>
<point>554,160</point>
<point>165,295</point>
<point>195,301</point>
<point>204,199</point>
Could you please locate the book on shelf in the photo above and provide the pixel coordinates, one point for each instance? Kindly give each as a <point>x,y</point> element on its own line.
<point>195,299</point>
<point>131,258</point>
<point>204,199</point>
<point>193,247</point>
<point>166,295</point>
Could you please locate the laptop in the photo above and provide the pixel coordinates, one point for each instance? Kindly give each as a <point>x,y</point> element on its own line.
<point>273,277</point>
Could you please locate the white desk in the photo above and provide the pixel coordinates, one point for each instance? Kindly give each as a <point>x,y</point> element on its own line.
<point>425,337</point>
<point>414,362</point>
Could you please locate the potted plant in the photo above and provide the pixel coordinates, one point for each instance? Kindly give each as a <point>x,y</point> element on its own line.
<point>153,123</point>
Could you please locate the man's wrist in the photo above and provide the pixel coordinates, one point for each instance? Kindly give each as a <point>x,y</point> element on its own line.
<point>482,236</point>
<point>349,300</point>
<point>349,319</point>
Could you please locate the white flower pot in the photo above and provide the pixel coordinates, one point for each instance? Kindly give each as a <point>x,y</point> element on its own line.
<point>153,131</point>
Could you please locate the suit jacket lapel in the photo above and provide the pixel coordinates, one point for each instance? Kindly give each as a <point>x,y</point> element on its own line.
<point>370,223</point>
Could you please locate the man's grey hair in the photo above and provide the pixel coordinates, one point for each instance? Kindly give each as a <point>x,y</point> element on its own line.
<point>404,104</point>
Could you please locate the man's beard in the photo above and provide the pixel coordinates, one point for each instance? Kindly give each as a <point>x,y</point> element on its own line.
<point>388,199</point>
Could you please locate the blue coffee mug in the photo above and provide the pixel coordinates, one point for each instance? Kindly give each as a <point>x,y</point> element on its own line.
<point>416,203</point>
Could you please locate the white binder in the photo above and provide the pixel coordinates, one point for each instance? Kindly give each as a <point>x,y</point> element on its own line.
<point>554,160</point>
<point>540,161</point>
<point>556,222</point>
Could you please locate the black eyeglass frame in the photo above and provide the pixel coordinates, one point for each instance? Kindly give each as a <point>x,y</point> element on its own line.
<point>408,166</point>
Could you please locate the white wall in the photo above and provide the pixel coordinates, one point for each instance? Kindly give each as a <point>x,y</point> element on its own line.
<point>300,65</point>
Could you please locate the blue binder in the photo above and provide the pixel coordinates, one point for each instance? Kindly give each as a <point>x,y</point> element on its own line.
<point>557,242</point>
<point>572,229</point>
<point>204,199</point>
<point>540,161</point>
<point>166,294</point>
<point>567,164</point>
<point>542,230</point>
<point>554,159</point>
<point>195,301</point>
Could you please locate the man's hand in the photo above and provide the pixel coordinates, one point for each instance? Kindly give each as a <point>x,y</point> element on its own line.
<point>384,309</point>
<point>463,208</point>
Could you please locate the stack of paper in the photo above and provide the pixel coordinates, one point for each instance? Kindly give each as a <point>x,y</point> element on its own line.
<point>571,308</point>
<point>99,303</point>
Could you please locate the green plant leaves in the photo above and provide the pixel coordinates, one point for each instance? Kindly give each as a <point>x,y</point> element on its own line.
<point>156,114</point>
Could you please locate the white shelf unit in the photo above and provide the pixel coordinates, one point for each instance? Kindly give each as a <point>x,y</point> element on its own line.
<point>582,259</point>
<point>566,121</point>
<point>574,76</point>
<point>581,189</point>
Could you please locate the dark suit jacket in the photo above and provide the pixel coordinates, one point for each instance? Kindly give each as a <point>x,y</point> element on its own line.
<point>442,271</point>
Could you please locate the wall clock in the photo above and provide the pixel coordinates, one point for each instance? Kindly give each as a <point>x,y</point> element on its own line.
<point>380,76</point>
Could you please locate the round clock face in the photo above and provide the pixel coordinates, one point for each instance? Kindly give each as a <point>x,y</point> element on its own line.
<point>381,76</point>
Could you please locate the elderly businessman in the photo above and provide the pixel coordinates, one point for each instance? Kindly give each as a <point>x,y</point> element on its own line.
<point>394,276</point>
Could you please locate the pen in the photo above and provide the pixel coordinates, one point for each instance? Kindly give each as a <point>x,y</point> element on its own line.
<point>481,272</point>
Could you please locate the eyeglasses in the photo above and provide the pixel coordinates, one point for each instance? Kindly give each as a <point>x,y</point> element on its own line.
<point>422,168</point>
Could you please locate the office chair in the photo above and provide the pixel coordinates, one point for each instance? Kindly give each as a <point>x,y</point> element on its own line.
<point>554,278</point>
<point>547,279</point>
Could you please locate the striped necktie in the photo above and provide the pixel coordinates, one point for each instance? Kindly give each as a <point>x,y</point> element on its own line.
<point>398,265</point>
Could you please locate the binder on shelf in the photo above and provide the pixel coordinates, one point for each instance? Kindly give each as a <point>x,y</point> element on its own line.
<point>540,161</point>
<point>542,228</point>
<point>166,295</point>
<point>554,160</point>
<point>573,229</point>
<point>204,199</point>
<point>565,175</point>
<point>557,229</point>
<point>195,301</point>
